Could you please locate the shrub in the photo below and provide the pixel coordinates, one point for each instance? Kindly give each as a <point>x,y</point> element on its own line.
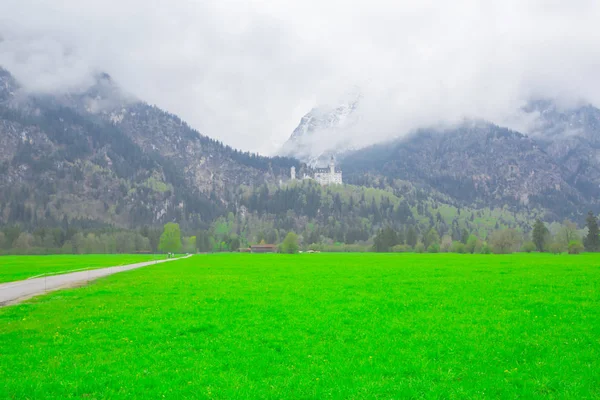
<point>23,243</point>
<point>67,248</point>
<point>316,247</point>
<point>485,249</point>
<point>575,247</point>
<point>419,248</point>
<point>356,248</point>
<point>332,248</point>
<point>528,247</point>
<point>342,248</point>
<point>433,248</point>
<point>446,244</point>
<point>458,247</point>
<point>401,248</point>
<point>431,237</point>
<point>473,244</point>
<point>555,248</point>
<point>385,240</point>
<point>290,244</point>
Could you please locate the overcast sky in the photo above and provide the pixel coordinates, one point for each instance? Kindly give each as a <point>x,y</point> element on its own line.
<point>245,72</point>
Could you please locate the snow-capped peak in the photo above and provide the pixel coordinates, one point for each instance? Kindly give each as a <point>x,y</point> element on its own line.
<point>320,133</point>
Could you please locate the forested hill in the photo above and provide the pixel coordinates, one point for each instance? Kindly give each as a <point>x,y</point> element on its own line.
<point>552,164</point>
<point>481,165</point>
<point>101,158</point>
<point>98,160</point>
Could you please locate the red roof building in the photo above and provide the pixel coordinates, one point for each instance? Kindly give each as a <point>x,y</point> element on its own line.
<point>264,248</point>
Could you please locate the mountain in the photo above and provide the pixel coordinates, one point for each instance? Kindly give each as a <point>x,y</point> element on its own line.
<point>320,133</point>
<point>480,164</point>
<point>554,165</point>
<point>559,123</point>
<point>75,167</point>
<point>571,136</point>
<point>101,156</point>
<point>8,86</point>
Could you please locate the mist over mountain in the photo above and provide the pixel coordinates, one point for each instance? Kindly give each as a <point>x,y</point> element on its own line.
<point>104,156</point>
<point>340,128</point>
<point>553,163</point>
<point>324,131</point>
<point>248,73</point>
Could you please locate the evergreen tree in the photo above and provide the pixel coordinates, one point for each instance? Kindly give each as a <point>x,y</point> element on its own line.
<point>401,237</point>
<point>11,234</point>
<point>431,237</point>
<point>540,234</point>
<point>411,236</point>
<point>592,240</point>
<point>464,236</point>
<point>203,242</point>
<point>153,235</point>
<point>386,239</point>
<point>234,243</point>
<point>313,237</point>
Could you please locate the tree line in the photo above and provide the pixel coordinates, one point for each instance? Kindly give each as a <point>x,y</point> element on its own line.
<point>568,238</point>
<point>14,240</point>
<point>234,231</point>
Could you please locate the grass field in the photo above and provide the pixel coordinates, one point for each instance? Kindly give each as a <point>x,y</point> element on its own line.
<point>15,268</point>
<point>353,326</point>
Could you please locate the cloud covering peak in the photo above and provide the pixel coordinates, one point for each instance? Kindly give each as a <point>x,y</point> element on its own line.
<point>246,72</point>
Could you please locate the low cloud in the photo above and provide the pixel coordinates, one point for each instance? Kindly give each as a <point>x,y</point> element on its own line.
<point>246,72</point>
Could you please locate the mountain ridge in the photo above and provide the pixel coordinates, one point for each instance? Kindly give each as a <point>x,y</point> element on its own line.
<point>555,166</point>
<point>106,156</point>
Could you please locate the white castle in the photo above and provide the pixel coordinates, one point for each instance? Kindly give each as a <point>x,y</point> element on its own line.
<point>324,176</point>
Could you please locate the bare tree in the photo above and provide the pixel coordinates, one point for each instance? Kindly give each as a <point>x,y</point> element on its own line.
<point>505,241</point>
<point>567,234</point>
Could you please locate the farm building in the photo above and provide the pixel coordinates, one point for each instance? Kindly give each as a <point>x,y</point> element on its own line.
<point>264,248</point>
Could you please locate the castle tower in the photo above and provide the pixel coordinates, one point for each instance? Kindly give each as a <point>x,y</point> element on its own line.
<point>293,173</point>
<point>332,166</point>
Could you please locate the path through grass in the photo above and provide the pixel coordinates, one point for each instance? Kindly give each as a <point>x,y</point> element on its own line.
<point>15,268</point>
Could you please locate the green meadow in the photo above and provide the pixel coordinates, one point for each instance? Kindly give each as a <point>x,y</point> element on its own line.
<point>15,268</point>
<point>315,326</point>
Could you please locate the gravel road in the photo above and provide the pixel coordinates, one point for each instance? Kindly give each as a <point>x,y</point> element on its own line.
<point>14,292</point>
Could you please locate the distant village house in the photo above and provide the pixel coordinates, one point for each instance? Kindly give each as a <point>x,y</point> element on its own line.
<point>263,248</point>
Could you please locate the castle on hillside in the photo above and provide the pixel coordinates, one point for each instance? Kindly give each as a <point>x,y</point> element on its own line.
<point>324,176</point>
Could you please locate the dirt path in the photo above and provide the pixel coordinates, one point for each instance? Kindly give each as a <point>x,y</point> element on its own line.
<point>15,292</point>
